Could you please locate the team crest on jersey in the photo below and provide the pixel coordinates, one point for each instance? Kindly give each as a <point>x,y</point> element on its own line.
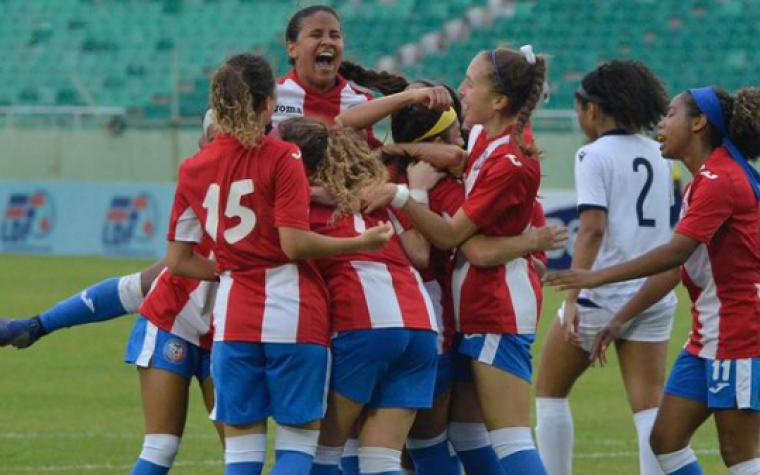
<point>130,224</point>
<point>28,219</point>
<point>175,351</point>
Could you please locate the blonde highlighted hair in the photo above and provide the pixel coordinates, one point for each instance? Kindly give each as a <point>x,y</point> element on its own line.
<point>341,161</point>
<point>239,90</point>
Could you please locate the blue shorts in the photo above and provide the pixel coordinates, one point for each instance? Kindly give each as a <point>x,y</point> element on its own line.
<point>152,347</point>
<point>509,353</point>
<point>388,367</point>
<point>254,381</point>
<point>444,376</point>
<point>719,384</point>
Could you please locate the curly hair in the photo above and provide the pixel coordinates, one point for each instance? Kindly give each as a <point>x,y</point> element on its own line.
<point>523,83</point>
<point>239,90</point>
<point>341,160</point>
<point>627,91</point>
<point>742,117</point>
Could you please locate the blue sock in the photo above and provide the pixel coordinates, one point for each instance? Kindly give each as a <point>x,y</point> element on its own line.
<point>319,469</point>
<point>525,462</point>
<point>691,469</point>
<point>481,461</point>
<point>290,462</point>
<point>433,459</point>
<point>243,468</point>
<point>143,467</point>
<point>350,465</point>
<point>98,303</point>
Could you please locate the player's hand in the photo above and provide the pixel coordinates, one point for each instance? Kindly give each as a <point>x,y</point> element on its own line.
<point>434,98</point>
<point>574,279</point>
<point>548,238</point>
<point>603,340</point>
<point>423,176</point>
<point>376,236</point>
<point>380,197</point>
<point>570,323</point>
<point>320,196</point>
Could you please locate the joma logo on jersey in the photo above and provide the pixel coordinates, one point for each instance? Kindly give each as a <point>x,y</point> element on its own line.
<point>281,109</point>
<point>27,216</point>
<point>130,220</point>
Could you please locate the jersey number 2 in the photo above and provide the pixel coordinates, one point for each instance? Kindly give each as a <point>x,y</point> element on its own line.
<point>234,209</point>
<point>637,163</point>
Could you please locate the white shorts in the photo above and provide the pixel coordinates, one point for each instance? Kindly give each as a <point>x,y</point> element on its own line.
<point>649,327</point>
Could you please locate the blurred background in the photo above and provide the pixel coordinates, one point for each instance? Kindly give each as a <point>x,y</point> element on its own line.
<point>100,100</point>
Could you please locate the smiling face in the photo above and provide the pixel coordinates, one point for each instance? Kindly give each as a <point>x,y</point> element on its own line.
<point>480,103</point>
<point>317,50</point>
<point>676,130</point>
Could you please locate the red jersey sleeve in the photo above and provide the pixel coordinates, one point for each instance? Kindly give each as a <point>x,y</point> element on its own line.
<point>497,189</point>
<point>184,224</point>
<point>538,220</point>
<point>710,204</point>
<point>292,191</point>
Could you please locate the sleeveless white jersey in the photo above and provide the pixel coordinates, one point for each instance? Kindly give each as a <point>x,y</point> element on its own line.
<point>625,175</point>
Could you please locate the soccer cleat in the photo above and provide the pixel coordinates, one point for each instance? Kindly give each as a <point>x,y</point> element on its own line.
<point>21,333</point>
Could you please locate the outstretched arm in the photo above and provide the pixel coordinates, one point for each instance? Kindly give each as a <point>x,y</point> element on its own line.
<point>184,262</point>
<point>483,251</point>
<point>367,114</point>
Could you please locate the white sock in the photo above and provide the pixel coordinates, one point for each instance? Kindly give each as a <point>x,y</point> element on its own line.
<point>644,421</point>
<point>555,434</point>
<point>413,444</point>
<point>466,436</point>
<point>245,448</point>
<point>296,440</point>
<point>160,449</point>
<point>750,467</point>
<point>676,460</point>
<point>379,460</point>
<point>130,292</point>
<point>351,448</point>
<point>511,440</point>
<point>328,455</point>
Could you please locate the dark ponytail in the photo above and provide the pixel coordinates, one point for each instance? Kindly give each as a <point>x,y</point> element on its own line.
<point>380,81</point>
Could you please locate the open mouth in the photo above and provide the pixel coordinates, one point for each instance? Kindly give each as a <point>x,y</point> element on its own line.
<point>325,60</point>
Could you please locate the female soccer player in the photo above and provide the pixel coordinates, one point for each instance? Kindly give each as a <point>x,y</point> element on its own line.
<point>624,193</point>
<point>497,308</point>
<point>717,247</point>
<point>249,194</point>
<point>384,349</point>
<point>413,121</point>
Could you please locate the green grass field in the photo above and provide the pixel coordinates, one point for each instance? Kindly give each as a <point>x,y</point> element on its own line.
<point>69,404</point>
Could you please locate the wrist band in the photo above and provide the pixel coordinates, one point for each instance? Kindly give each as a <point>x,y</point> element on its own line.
<point>402,196</point>
<point>420,196</point>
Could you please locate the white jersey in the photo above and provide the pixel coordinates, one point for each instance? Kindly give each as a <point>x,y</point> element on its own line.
<point>625,175</point>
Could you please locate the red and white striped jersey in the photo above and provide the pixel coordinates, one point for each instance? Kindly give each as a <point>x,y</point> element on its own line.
<point>538,220</point>
<point>368,290</point>
<point>723,274</point>
<point>183,306</point>
<point>294,99</point>
<point>239,196</point>
<point>501,187</point>
<point>445,199</point>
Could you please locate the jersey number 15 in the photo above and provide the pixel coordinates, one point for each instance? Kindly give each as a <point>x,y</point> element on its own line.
<point>234,209</point>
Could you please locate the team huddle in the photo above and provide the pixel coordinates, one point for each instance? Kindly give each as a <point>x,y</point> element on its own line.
<point>379,303</point>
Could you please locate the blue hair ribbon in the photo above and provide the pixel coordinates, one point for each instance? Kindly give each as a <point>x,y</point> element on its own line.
<point>707,101</point>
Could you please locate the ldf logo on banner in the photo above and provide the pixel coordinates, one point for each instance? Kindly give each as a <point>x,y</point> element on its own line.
<point>130,225</point>
<point>27,220</point>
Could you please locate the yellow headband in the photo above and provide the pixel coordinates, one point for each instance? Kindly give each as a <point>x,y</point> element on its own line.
<point>444,122</point>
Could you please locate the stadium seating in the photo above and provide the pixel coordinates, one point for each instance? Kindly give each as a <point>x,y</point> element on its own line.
<point>687,43</point>
<point>132,53</point>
